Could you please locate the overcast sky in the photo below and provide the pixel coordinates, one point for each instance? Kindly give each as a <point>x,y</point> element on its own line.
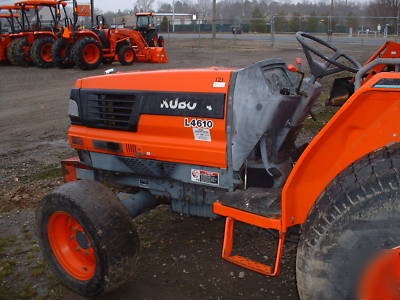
<point>114,5</point>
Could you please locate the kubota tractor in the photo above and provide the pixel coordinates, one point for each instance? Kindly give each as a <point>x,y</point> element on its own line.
<point>34,42</point>
<point>5,38</point>
<point>145,24</point>
<point>15,27</point>
<point>221,141</point>
<point>88,48</point>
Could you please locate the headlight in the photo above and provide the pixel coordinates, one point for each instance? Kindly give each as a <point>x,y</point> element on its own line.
<point>73,110</point>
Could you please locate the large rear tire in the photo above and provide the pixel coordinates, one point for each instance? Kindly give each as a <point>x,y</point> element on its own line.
<point>161,41</point>
<point>87,53</point>
<point>61,52</point>
<point>10,52</point>
<point>21,52</point>
<point>87,237</point>
<point>41,52</point>
<point>357,216</point>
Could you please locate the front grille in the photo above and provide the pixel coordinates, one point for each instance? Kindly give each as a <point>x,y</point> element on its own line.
<point>110,111</point>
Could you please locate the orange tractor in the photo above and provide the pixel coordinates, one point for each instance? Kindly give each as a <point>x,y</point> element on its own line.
<point>33,43</point>
<point>222,142</point>
<point>14,21</point>
<point>5,38</point>
<point>88,48</point>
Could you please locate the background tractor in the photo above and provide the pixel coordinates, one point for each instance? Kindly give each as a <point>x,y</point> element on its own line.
<point>222,142</point>
<point>145,24</point>
<point>88,48</point>
<point>5,33</point>
<point>33,43</point>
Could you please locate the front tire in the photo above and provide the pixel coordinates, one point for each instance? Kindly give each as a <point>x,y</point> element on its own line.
<point>87,237</point>
<point>126,55</point>
<point>41,52</point>
<point>356,217</point>
<point>87,53</point>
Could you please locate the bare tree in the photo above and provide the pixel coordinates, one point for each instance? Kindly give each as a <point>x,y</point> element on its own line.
<point>143,5</point>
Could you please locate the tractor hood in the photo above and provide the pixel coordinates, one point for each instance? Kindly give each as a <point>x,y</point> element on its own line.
<point>207,80</point>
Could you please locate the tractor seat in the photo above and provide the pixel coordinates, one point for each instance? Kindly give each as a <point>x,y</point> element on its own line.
<point>103,37</point>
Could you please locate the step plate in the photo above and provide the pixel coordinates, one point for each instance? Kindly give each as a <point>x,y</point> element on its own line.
<point>263,202</point>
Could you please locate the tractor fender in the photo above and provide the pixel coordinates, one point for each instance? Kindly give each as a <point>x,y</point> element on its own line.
<point>87,33</point>
<point>368,121</point>
<point>44,33</point>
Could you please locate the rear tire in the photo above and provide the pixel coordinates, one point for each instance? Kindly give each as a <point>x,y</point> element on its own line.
<point>21,52</point>
<point>41,52</point>
<point>161,41</point>
<point>87,237</point>
<point>61,52</point>
<point>87,53</point>
<point>126,55</point>
<point>357,216</point>
<point>10,51</point>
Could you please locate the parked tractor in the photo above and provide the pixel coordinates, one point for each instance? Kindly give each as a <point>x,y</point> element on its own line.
<point>5,38</point>
<point>145,24</point>
<point>88,48</point>
<point>14,20</point>
<point>222,142</point>
<point>33,43</point>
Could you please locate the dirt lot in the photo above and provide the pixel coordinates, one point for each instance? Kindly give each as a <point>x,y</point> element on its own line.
<point>180,255</point>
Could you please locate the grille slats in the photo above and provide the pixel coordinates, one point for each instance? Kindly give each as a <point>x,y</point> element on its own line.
<point>110,111</point>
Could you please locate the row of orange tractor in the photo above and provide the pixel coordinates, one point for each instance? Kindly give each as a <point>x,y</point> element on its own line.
<point>61,42</point>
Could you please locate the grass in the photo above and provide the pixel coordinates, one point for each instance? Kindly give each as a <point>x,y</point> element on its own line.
<point>52,171</point>
<point>322,117</point>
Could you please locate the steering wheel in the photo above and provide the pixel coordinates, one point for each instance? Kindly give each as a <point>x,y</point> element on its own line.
<point>319,70</point>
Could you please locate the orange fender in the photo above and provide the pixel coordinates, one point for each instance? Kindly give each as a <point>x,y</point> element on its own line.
<point>368,121</point>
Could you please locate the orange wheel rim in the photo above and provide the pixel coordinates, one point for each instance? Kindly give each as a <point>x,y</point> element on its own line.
<point>72,246</point>
<point>129,56</point>
<point>91,53</point>
<point>381,279</point>
<point>46,52</point>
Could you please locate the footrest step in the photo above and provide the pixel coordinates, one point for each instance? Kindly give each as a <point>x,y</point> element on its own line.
<point>250,264</point>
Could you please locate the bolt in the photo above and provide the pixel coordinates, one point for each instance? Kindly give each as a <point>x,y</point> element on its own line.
<point>86,253</point>
<point>78,249</point>
<point>75,228</point>
<point>72,237</point>
<point>84,269</point>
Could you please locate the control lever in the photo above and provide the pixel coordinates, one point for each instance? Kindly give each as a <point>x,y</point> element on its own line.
<point>295,69</point>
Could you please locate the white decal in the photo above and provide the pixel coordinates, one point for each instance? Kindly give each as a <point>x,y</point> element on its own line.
<point>202,134</point>
<point>219,84</point>
<point>202,176</point>
<point>176,104</point>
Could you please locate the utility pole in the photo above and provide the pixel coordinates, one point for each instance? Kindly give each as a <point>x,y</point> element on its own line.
<point>330,29</point>
<point>214,15</point>
<point>173,16</point>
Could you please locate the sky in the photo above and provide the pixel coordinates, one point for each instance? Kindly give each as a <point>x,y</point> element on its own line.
<point>114,5</point>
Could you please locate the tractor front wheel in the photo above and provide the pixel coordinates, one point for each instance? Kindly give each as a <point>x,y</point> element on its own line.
<point>87,53</point>
<point>126,55</point>
<point>61,53</point>
<point>41,52</point>
<point>87,237</point>
<point>356,218</point>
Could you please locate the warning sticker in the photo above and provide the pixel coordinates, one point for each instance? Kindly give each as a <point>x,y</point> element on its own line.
<point>202,176</point>
<point>202,134</point>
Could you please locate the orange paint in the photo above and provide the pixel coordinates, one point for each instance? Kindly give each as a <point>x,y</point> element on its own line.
<point>368,121</point>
